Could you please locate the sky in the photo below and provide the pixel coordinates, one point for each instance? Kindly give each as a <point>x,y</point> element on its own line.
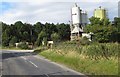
<point>51,11</point>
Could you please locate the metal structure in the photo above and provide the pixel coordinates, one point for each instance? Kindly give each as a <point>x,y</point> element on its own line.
<point>84,18</point>
<point>100,13</point>
<point>78,19</point>
<point>76,14</point>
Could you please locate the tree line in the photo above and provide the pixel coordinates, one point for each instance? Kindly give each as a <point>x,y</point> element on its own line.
<point>35,34</point>
<point>104,31</point>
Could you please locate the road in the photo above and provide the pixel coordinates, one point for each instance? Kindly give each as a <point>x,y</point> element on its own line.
<point>15,62</point>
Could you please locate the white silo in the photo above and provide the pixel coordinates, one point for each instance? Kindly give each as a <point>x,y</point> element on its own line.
<point>76,14</point>
<point>79,19</point>
<point>84,18</point>
<point>76,20</point>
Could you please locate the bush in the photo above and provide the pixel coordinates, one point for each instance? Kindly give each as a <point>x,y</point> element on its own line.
<point>84,41</point>
<point>23,45</point>
<point>101,50</point>
<point>93,51</point>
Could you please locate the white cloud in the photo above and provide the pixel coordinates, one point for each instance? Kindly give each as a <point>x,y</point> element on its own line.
<point>33,12</point>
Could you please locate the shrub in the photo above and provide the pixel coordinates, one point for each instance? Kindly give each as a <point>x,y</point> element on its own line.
<point>13,41</point>
<point>23,45</point>
<point>101,50</point>
<point>84,41</point>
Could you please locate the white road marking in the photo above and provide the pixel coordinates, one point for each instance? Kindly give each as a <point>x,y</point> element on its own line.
<point>24,58</point>
<point>33,64</point>
<point>62,66</point>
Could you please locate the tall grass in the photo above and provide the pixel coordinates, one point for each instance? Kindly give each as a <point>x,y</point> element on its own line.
<point>93,59</point>
<point>93,51</point>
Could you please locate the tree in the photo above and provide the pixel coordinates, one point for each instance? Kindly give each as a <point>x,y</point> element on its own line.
<point>55,37</point>
<point>19,26</point>
<point>41,35</point>
<point>117,21</point>
<point>49,29</point>
<point>25,36</point>
<point>63,31</point>
<point>13,41</point>
<point>103,33</point>
<point>117,25</point>
<point>95,21</point>
<point>6,37</point>
<point>103,30</point>
<point>105,22</point>
<point>33,33</point>
<point>38,27</point>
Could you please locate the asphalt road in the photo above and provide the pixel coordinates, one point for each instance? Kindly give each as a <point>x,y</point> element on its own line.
<point>17,62</point>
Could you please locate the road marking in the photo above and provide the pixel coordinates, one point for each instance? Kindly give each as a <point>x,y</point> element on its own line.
<point>24,58</point>
<point>33,64</point>
<point>62,66</point>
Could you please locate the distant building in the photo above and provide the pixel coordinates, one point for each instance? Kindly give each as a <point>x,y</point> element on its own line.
<point>78,20</point>
<point>119,9</point>
<point>100,13</point>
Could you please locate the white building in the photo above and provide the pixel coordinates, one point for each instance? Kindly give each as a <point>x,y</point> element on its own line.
<point>78,20</point>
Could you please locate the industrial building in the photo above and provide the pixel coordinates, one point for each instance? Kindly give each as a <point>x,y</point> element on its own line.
<point>84,18</point>
<point>78,20</point>
<point>119,9</point>
<point>100,13</point>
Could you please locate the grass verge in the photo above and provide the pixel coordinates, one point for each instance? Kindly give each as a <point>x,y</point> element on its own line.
<point>86,66</point>
<point>10,48</point>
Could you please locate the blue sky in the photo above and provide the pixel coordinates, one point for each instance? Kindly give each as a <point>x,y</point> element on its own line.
<point>53,12</point>
<point>4,6</point>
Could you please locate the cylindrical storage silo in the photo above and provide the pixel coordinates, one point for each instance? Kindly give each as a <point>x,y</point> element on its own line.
<point>84,18</point>
<point>76,13</point>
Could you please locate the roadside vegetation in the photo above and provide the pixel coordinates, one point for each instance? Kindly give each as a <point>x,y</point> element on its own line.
<point>94,59</point>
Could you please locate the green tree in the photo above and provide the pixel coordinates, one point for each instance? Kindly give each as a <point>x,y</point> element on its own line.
<point>105,22</point>
<point>33,33</point>
<point>103,30</point>
<point>6,37</point>
<point>117,25</point>
<point>19,26</point>
<point>41,35</point>
<point>63,31</point>
<point>55,37</point>
<point>117,21</point>
<point>49,29</point>
<point>38,27</point>
<point>103,33</point>
<point>13,41</point>
<point>95,21</point>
